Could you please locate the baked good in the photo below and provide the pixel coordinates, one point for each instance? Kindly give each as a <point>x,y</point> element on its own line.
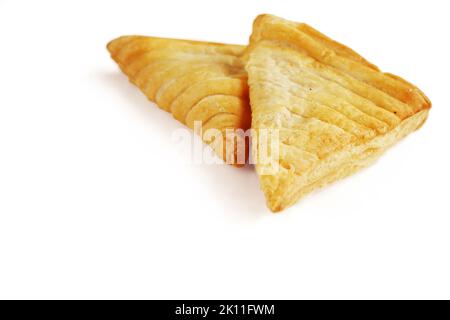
<point>333,111</point>
<point>194,81</point>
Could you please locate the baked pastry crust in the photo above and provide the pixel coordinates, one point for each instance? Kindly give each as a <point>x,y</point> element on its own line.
<point>194,81</point>
<point>335,111</point>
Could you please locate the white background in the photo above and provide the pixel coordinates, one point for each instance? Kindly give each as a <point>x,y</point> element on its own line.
<point>96,201</point>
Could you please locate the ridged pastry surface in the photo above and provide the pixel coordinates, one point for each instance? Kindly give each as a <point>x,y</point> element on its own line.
<point>335,111</point>
<point>193,80</point>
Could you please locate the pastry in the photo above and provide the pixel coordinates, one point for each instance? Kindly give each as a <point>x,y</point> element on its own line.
<point>194,81</point>
<point>333,112</point>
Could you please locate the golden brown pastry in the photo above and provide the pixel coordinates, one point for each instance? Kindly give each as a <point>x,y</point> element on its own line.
<point>195,81</point>
<point>334,111</point>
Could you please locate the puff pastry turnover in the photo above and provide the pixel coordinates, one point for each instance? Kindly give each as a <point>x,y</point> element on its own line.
<point>194,81</point>
<point>335,111</point>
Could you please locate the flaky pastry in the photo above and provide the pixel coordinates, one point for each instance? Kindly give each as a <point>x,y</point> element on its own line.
<point>194,81</point>
<point>335,111</point>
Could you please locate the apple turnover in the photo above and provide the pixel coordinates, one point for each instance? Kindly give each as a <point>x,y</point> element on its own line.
<point>195,81</point>
<point>335,111</point>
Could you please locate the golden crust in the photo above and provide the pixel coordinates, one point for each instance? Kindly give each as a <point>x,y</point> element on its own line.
<point>193,80</point>
<point>335,111</point>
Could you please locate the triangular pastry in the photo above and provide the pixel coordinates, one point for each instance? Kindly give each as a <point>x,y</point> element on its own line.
<point>195,81</point>
<point>334,111</point>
